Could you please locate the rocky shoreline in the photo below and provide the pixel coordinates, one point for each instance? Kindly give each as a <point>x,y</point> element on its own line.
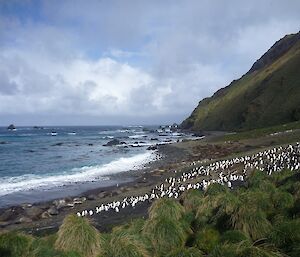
<point>47,216</point>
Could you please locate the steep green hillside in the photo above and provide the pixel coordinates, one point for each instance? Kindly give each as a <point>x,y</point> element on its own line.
<point>268,94</point>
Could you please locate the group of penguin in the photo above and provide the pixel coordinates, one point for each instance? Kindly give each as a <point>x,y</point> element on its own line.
<point>229,172</point>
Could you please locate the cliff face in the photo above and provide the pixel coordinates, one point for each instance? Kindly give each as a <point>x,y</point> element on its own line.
<point>268,94</point>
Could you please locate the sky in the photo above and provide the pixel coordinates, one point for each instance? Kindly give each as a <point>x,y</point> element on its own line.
<point>122,62</point>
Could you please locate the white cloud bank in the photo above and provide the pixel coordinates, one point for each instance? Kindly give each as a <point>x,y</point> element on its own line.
<point>114,62</point>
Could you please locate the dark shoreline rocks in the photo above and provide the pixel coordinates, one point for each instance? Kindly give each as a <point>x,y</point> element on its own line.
<point>114,142</point>
<point>152,147</point>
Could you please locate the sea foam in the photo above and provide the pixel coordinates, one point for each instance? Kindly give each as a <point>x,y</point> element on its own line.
<point>9,185</point>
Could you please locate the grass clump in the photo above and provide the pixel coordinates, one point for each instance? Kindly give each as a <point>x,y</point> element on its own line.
<point>191,200</point>
<point>215,189</point>
<point>76,234</point>
<point>250,220</point>
<point>186,252</point>
<point>167,208</point>
<point>165,234</point>
<point>207,239</point>
<point>14,244</point>
<point>122,243</point>
<point>286,236</point>
<point>234,236</point>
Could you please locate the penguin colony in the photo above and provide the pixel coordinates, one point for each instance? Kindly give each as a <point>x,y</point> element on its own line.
<point>225,172</point>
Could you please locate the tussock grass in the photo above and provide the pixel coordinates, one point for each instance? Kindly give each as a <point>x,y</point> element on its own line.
<point>207,239</point>
<point>165,207</point>
<point>76,234</point>
<point>244,249</point>
<point>234,236</point>
<point>191,200</point>
<point>250,220</point>
<point>215,189</point>
<point>186,252</point>
<point>122,243</point>
<point>286,235</point>
<point>14,244</point>
<point>261,220</point>
<point>165,234</point>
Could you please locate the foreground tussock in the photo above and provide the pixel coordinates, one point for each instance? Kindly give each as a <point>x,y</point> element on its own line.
<point>260,220</point>
<point>76,234</point>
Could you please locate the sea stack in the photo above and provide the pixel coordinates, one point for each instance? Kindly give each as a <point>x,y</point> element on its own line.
<point>11,127</point>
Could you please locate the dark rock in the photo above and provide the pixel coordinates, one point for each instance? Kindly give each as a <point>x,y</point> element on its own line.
<point>12,213</point>
<point>154,139</point>
<point>33,212</point>
<point>52,210</point>
<point>115,193</point>
<point>91,197</point>
<point>142,182</point>
<point>29,151</point>
<point>58,144</point>
<point>277,50</point>
<point>101,195</point>
<point>152,147</point>
<point>112,142</point>
<point>11,127</point>
<point>68,199</point>
<point>4,224</point>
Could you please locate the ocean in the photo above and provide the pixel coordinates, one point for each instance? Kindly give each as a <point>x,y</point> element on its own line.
<point>40,164</point>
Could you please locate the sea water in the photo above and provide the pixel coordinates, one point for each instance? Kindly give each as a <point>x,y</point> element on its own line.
<point>36,166</point>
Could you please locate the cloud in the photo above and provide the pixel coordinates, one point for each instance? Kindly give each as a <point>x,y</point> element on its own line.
<point>129,61</point>
<point>80,86</point>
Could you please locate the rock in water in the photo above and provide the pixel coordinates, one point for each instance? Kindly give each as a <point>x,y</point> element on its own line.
<point>11,127</point>
<point>112,142</point>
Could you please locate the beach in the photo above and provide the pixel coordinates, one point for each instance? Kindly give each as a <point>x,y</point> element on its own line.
<point>45,217</point>
<point>174,156</point>
<point>135,182</point>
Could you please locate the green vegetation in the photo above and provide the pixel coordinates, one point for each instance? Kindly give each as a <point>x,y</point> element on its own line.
<point>265,96</point>
<point>259,220</point>
<point>14,244</point>
<point>76,234</point>
<point>261,132</point>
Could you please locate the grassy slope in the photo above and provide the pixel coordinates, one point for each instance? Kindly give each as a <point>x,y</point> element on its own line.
<point>261,132</point>
<point>265,97</point>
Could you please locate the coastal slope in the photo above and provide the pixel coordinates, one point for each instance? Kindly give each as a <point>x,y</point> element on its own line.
<point>268,94</point>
